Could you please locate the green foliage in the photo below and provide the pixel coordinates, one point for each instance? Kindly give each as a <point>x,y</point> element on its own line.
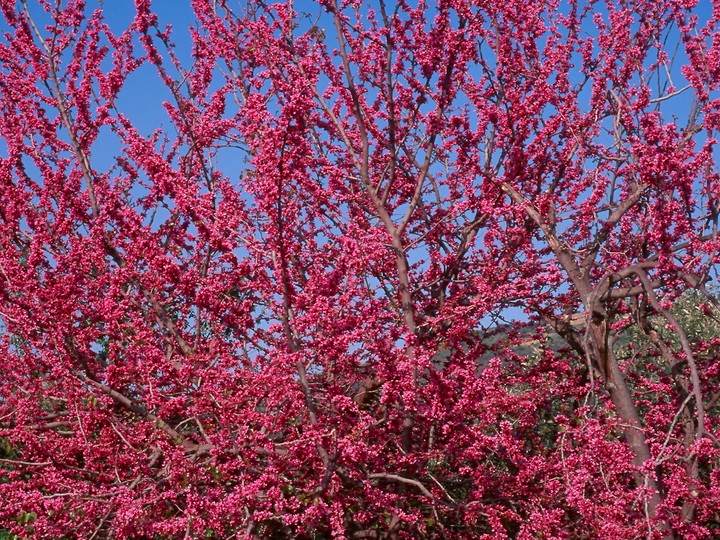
<point>691,313</point>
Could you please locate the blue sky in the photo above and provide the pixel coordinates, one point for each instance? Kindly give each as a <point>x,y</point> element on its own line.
<point>142,96</point>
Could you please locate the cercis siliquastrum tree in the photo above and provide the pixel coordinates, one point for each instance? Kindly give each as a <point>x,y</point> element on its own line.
<point>275,313</point>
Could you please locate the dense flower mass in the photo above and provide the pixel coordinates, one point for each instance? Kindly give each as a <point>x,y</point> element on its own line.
<point>359,269</point>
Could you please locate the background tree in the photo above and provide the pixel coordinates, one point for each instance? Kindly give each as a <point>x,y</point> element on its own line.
<point>270,316</point>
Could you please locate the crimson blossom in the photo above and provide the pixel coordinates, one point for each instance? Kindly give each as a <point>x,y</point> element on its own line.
<point>369,269</point>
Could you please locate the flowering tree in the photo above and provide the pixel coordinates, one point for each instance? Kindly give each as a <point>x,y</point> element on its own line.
<point>290,311</point>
